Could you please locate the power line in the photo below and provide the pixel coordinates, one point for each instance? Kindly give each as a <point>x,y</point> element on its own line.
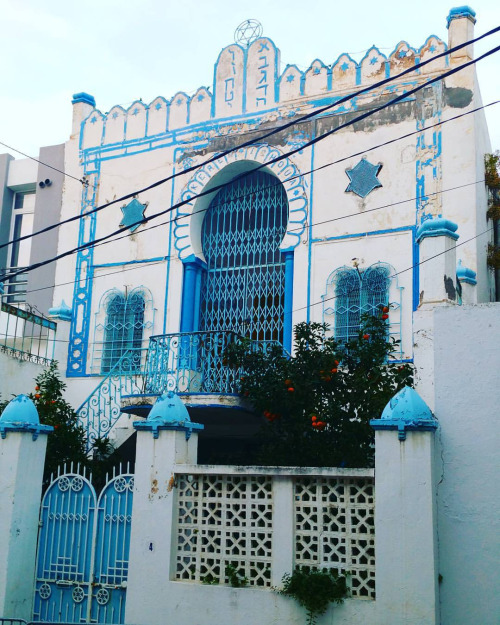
<point>281,129</point>
<point>9,147</point>
<point>272,161</point>
<point>333,297</point>
<point>319,168</point>
<point>139,264</point>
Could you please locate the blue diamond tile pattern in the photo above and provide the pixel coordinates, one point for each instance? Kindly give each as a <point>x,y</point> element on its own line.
<point>363,178</point>
<point>132,213</point>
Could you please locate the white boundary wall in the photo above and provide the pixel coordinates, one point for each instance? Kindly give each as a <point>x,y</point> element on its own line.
<point>457,355</point>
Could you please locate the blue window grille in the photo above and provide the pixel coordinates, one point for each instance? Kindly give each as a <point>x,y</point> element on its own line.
<point>121,322</point>
<point>350,294</point>
<point>244,284</point>
<point>123,330</point>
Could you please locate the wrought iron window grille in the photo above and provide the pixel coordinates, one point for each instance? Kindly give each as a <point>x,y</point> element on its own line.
<point>352,293</point>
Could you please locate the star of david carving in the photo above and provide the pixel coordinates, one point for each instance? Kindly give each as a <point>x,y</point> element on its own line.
<point>363,178</point>
<point>132,213</point>
<point>247,32</point>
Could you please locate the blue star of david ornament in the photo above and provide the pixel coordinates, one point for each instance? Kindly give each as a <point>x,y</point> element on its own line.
<point>132,213</point>
<point>363,177</point>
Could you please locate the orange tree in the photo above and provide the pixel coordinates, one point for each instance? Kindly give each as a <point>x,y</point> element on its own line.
<point>67,443</point>
<point>319,402</point>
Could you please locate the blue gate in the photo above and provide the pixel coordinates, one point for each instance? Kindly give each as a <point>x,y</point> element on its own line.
<point>83,547</point>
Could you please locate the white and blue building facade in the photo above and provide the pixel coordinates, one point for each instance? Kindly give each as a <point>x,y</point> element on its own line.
<point>319,221</point>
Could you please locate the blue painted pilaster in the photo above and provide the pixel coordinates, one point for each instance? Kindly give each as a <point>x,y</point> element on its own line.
<point>288,303</point>
<point>191,290</point>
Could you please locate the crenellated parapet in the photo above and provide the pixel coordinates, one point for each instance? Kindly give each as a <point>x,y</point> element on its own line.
<point>248,83</point>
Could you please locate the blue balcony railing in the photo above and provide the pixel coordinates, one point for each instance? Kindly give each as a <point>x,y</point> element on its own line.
<point>189,363</point>
<point>193,362</point>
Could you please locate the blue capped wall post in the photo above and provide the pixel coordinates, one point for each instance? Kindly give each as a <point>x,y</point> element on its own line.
<point>167,438</point>
<point>405,527</point>
<point>23,442</point>
<point>436,239</point>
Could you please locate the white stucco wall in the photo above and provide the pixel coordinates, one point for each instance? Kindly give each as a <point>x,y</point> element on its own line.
<point>17,376</point>
<point>457,355</point>
<point>21,469</point>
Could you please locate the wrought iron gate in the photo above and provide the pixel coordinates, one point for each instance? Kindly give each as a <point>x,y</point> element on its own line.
<point>244,284</point>
<point>83,547</point>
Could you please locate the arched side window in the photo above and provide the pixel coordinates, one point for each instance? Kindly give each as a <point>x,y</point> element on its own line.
<point>352,293</point>
<point>123,325</point>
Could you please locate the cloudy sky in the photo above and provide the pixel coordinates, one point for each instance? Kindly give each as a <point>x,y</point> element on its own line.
<point>122,50</point>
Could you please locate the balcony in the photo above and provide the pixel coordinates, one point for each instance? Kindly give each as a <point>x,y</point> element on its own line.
<point>194,366</point>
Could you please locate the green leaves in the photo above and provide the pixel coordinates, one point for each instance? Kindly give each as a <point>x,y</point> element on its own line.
<point>67,442</point>
<point>314,589</point>
<point>318,403</point>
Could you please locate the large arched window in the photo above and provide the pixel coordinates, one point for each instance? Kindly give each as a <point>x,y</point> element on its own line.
<point>120,327</point>
<point>243,287</point>
<point>351,293</point>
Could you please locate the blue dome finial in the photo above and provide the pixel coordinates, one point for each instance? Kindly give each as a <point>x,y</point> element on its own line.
<point>405,411</point>
<point>168,413</point>
<point>21,415</point>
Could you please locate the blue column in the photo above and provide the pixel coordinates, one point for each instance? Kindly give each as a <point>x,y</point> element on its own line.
<point>191,290</point>
<point>288,304</point>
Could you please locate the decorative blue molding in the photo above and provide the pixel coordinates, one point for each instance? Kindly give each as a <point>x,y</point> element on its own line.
<point>21,415</point>
<point>62,312</point>
<point>168,413</point>
<point>86,98</point>
<point>458,12</point>
<point>428,161</point>
<point>82,294</point>
<point>437,227</point>
<point>464,274</point>
<point>285,170</point>
<point>406,411</point>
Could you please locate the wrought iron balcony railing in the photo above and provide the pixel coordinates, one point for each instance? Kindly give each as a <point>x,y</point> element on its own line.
<point>193,362</point>
<point>186,363</point>
<point>27,335</point>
